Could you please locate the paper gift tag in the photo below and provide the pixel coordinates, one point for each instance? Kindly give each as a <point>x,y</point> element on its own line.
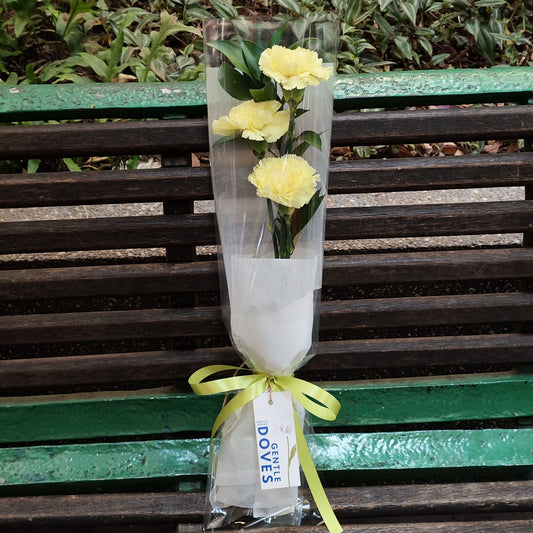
<point>279,466</point>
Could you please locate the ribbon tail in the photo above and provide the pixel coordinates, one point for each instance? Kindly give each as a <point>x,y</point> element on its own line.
<point>315,485</point>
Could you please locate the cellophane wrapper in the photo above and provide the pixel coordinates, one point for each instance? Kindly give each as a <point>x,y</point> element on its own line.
<point>270,304</point>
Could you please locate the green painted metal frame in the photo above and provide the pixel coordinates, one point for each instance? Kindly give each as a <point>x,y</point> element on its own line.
<point>160,412</point>
<point>166,100</point>
<point>156,460</point>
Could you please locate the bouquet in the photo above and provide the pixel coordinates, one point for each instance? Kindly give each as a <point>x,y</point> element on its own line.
<point>269,89</point>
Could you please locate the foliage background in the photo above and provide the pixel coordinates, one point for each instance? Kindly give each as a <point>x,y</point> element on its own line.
<point>83,41</point>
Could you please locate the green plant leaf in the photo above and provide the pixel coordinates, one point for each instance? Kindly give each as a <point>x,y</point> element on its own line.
<point>234,83</point>
<point>299,112</point>
<point>426,45</point>
<point>251,53</point>
<point>352,11</point>
<point>33,165</point>
<point>224,9</point>
<point>383,4</point>
<point>404,46</point>
<point>225,139</point>
<point>301,148</point>
<point>311,138</point>
<point>490,3</point>
<point>259,148</point>
<point>278,34</point>
<point>71,164</point>
<point>94,63</point>
<point>385,27</point>
<point>305,213</point>
<point>267,92</point>
<point>292,5</point>
<point>233,52</point>
<point>410,10</point>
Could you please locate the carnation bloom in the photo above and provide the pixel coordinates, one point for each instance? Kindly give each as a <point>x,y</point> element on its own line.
<point>293,68</point>
<point>257,121</point>
<point>288,180</point>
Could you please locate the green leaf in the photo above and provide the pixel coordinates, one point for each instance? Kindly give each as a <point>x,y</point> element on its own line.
<point>20,24</point>
<point>436,59</point>
<point>278,34</point>
<point>426,45</point>
<point>259,148</point>
<point>410,11</point>
<point>251,53</point>
<point>386,28</point>
<point>234,83</point>
<point>33,165</point>
<point>225,139</point>
<point>404,46</point>
<point>94,63</point>
<point>301,148</point>
<point>224,9</point>
<point>311,138</point>
<point>384,3</point>
<point>305,213</point>
<point>292,5</point>
<point>233,52</point>
<point>71,164</point>
<point>266,93</point>
<point>490,3</point>
<point>353,10</point>
<point>487,44</point>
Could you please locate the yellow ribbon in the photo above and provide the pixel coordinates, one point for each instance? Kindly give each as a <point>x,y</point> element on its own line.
<point>314,399</point>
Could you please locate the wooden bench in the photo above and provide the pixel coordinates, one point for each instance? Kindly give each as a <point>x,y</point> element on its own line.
<point>425,338</point>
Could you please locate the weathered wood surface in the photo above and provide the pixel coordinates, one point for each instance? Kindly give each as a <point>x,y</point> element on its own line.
<point>207,321</point>
<point>108,233</point>
<point>515,524</point>
<point>348,355</point>
<point>349,502</point>
<point>202,276</point>
<point>129,138</point>
<point>165,184</point>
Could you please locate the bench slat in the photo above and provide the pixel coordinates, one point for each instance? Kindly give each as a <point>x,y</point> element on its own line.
<point>434,125</point>
<point>110,280</point>
<point>152,137</point>
<point>514,525</point>
<point>164,278</point>
<point>102,369</point>
<point>100,463</point>
<point>105,186</point>
<point>155,412</point>
<point>199,229</point>
<point>428,173</point>
<point>391,500</point>
<point>207,321</point>
<point>429,220</point>
<point>421,173</point>
<point>106,233</point>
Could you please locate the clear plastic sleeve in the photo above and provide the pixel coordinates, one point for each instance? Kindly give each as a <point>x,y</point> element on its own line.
<point>270,101</point>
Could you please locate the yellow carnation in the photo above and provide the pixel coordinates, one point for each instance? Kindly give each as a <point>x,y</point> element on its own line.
<point>257,121</point>
<point>288,180</point>
<point>293,69</point>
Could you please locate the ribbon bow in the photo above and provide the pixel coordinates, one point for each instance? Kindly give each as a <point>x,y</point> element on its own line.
<point>314,399</point>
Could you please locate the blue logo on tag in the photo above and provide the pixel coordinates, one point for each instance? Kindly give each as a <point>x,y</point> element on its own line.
<point>269,455</point>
